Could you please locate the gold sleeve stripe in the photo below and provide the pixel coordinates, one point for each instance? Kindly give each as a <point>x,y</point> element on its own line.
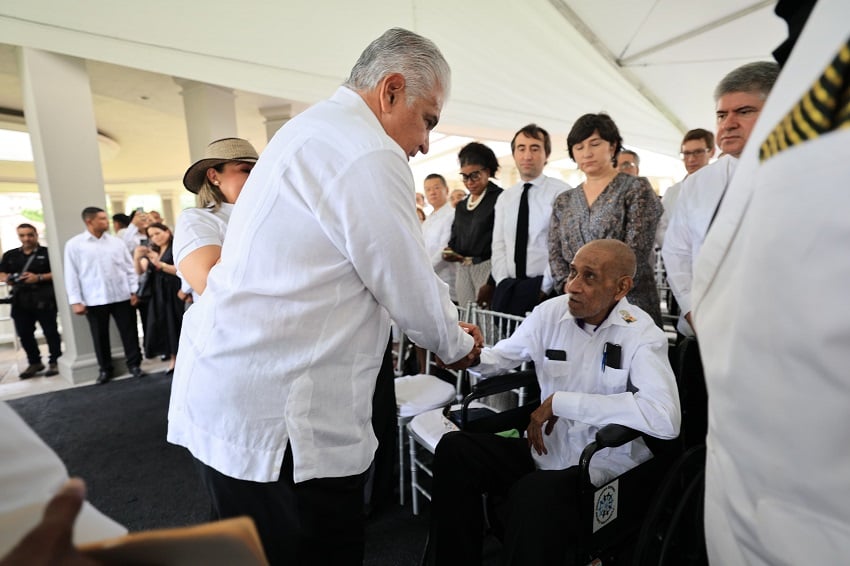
<point>823,108</point>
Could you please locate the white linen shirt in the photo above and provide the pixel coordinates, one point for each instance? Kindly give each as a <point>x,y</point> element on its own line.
<point>98,271</point>
<point>698,199</point>
<point>668,201</point>
<point>196,228</point>
<point>641,395</point>
<point>199,227</point>
<point>541,197</point>
<point>285,345</point>
<point>771,302</point>
<point>132,238</point>
<point>436,231</point>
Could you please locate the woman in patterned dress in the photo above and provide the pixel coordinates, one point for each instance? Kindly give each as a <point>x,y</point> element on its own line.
<point>608,204</point>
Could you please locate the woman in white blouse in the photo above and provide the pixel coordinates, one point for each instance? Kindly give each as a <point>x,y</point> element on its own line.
<point>217,179</point>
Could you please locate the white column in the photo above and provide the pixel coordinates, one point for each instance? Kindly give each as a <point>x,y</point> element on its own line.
<point>60,118</point>
<point>170,206</point>
<point>276,117</point>
<point>118,202</point>
<point>210,114</point>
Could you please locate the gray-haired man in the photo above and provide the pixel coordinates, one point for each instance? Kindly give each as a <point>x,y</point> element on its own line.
<point>273,385</point>
<point>739,98</point>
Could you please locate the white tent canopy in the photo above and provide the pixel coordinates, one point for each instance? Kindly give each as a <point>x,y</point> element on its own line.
<point>651,64</point>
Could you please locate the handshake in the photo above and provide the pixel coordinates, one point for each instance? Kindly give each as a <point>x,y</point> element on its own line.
<point>474,355</point>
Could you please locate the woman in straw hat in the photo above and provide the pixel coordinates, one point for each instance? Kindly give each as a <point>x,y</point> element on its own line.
<point>217,179</point>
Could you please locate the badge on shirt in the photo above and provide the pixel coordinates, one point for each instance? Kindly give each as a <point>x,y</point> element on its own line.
<point>627,316</point>
<point>556,355</point>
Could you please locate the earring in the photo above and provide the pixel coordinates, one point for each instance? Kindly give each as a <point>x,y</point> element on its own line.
<point>216,183</point>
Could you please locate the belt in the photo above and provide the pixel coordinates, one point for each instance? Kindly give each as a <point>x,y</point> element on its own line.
<point>469,260</point>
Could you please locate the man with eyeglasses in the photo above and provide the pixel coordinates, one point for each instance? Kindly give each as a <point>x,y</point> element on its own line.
<point>628,162</point>
<point>697,151</point>
<point>739,98</point>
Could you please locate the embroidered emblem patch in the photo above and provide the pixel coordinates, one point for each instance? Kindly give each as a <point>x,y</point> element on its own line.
<point>627,316</point>
<point>605,504</point>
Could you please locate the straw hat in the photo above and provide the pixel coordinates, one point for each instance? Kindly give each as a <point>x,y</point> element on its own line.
<point>216,153</point>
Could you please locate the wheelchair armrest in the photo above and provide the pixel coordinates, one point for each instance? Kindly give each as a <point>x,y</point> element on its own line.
<point>613,435</point>
<point>609,436</point>
<point>500,384</point>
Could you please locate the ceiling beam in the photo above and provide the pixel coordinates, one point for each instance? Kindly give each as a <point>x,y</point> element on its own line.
<point>590,36</point>
<point>690,34</point>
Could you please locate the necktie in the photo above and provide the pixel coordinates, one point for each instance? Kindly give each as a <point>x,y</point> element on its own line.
<point>521,247</point>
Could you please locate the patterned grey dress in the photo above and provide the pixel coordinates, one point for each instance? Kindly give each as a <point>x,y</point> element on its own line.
<point>627,210</point>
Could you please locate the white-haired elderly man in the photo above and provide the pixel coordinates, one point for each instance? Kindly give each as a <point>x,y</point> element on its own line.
<point>278,361</point>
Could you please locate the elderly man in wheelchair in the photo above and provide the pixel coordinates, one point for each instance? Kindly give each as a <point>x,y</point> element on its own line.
<point>598,360</point>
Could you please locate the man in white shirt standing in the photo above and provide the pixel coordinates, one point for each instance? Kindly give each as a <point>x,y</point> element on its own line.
<point>278,360</point>
<point>101,282</point>
<point>437,229</point>
<point>739,98</point>
<point>523,213</point>
<point>697,149</point>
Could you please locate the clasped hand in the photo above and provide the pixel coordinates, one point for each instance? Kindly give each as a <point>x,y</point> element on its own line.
<point>473,357</point>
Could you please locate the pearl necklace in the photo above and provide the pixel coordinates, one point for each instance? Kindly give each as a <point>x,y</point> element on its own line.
<point>470,205</point>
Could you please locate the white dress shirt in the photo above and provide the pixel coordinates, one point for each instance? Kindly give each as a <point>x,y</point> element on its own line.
<point>698,199</point>
<point>196,228</point>
<point>771,305</point>
<point>541,197</point>
<point>642,394</point>
<point>132,237</point>
<point>199,227</point>
<point>668,201</point>
<point>285,344</point>
<point>98,271</point>
<point>436,230</point>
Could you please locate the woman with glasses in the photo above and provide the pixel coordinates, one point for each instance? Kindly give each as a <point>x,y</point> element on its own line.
<point>472,231</point>
<point>609,204</point>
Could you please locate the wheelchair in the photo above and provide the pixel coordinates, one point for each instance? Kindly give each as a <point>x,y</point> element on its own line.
<point>611,515</point>
<point>649,515</point>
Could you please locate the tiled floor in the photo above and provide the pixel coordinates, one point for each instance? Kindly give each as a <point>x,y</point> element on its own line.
<point>13,361</point>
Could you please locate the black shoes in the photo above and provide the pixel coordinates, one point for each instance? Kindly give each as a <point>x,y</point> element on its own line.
<point>31,370</point>
<point>104,376</point>
<point>52,369</point>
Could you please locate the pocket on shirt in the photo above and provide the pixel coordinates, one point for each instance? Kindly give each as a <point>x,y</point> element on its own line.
<point>556,368</point>
<point>614,380</point>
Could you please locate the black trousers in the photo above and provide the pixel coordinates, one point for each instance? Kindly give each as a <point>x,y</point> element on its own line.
<point>538,508</point>
<point>25,320</point>
<point>310,523</point>
<point>381,479</point>
<point>125,319</point>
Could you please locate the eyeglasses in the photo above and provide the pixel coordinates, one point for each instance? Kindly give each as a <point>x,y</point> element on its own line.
<point>627,165</point>
<point>471,177</point>
<point>694,153</point>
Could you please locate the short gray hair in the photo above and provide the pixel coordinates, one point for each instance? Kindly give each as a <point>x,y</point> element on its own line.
<point>398,50</point>
<point>752,77</point>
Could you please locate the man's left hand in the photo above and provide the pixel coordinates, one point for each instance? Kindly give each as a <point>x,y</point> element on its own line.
<point>134,300</point>
<point>542,416</point>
